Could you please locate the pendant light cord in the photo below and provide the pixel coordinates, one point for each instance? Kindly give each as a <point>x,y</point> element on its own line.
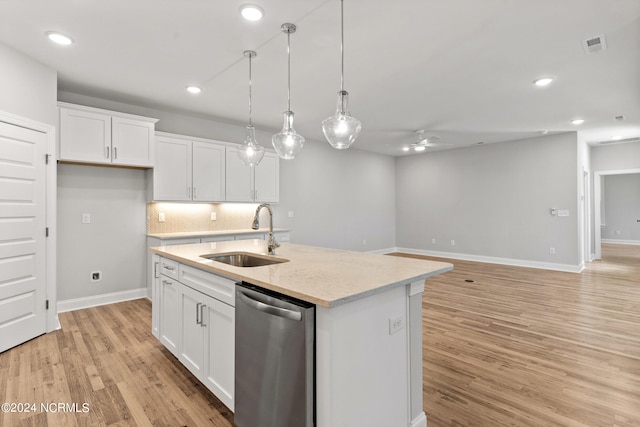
<point>289,71</point>
<point>250,56</point>
<point>342,44</point>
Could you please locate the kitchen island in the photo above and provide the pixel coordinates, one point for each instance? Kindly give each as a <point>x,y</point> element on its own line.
<point>368,323</point>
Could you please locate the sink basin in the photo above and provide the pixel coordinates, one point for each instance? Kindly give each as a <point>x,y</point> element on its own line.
<point>244,259</point>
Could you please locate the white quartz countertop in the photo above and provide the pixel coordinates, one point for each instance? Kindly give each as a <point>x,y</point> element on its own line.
<point>326,277</point>
<point>183,234</point>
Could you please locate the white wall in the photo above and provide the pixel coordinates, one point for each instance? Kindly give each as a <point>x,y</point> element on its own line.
<point>494,200</point>
<point>613,157</point>
<point>27,88</point>
<point>622,208</point>
<point>115,240</point>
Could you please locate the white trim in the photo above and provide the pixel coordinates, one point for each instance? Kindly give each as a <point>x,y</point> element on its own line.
<point>621,242</point>
<point>382,251</point>
<point>597,201</point>
<point>96,300</point>
<point>494,260</point>
<point>419,421</point>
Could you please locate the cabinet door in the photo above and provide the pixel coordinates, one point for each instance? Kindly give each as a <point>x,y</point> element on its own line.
<point>155,296</point>
<point>172,172</point>
<point>267,179</point>
<point>193,330</point>
<point>85,136</point>
<point>239,178</point>
<point>170,314</point>
<point>219,370</point>
<point>132,142</point>
<point>208,172</point>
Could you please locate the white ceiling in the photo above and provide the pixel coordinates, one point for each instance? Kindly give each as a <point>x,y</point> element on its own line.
<point>460,69</point>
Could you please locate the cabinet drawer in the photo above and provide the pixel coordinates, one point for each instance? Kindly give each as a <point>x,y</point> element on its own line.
<point>215,286</point>
<point>169,268</point>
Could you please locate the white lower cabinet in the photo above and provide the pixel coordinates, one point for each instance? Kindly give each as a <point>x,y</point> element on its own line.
<point>202,332</point>
<point>170,314</point>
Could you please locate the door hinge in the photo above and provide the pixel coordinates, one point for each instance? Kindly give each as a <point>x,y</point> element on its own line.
<point>46,232</point>
<point>47,305</point>
<point>46,158</point>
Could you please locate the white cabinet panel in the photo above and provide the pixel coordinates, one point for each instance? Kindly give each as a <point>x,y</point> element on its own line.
<point>219,357</point>
<point>92,135</point>
<point>85,136</point>
<point>193,330</point>
<point>172,173</point>
<point>132,142</point>
<point>170,314</point>
<point>208,171</point>
<point>155,296</point>
<point>247,184</point>
<point>188,169</point>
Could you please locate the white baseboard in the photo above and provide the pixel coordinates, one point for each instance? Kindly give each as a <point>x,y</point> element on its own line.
<point>419,421</point>
<point>495,260</point>
<point>382,251</point>
<point>96,300</point>
<point>621,242</point>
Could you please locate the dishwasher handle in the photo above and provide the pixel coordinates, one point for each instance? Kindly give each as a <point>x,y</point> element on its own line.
<point>270,309</point>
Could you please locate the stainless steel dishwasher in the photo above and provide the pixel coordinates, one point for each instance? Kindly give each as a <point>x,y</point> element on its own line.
<point>274,359</point>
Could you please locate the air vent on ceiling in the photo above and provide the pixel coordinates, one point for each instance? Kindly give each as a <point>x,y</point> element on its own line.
<point>594,44</point>
<point>619,141</point>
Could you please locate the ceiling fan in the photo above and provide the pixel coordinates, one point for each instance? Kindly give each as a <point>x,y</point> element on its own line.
<point>424,142</point>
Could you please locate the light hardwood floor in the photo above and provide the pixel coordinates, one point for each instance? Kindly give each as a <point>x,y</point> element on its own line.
<point>515,347</point>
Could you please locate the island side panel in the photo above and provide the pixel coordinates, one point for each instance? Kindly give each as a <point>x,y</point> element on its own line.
<point>362,369</point>
<point>417,416</point>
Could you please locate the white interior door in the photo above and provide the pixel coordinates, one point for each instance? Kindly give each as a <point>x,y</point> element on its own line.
<point>22,235</point>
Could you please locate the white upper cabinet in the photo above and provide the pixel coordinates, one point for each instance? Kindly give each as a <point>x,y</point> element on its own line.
<point>188,169</point>
<point>92,135</point>
<point>247,184</point>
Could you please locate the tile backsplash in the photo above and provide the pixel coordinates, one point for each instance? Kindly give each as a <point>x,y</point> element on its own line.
<point>186,217</point>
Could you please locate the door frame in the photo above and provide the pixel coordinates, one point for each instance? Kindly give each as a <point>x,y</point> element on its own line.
<point>597,204</point>
<point>50,209</point>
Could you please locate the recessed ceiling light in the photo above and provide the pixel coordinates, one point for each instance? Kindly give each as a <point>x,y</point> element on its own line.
<point>251,12</point>
<point>420,148</point>
<point>616,138</point>
<point>59,38</point>
<point>193,89</point>
<point>405,148</point>
<point>577,121</point>
<point>543,81</point>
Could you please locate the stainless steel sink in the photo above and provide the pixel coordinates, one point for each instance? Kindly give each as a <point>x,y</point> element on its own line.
<point>244,259</point>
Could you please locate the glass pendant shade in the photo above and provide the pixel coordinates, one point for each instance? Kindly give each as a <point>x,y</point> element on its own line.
<point>250,152</point>
<point>341,130</point>
<point>287,142</point>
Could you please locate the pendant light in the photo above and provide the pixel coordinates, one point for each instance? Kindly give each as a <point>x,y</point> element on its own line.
<point>288,142</point>
<point>250,152</point>
<point>341,129</point>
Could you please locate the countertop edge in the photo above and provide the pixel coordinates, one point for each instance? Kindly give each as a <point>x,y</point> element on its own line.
<point>186,234</point>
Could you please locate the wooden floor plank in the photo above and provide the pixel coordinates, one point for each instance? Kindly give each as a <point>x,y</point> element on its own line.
<point>515,347</point>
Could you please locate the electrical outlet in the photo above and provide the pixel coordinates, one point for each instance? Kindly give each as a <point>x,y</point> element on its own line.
<point>214,216</point>
<point>552,251</point>
<point>433,241</point>
<point>96,276</point>
<point>290,214</point>
<point>161,217</point>
<point>395,325</point>
<point>364,243</point>
<point>453,242</point>
<point>86,218</point>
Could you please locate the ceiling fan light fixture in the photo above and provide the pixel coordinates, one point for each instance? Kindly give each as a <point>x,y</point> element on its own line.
<point>419,148</point>
<point>577,122</point>
<point>251,12</point>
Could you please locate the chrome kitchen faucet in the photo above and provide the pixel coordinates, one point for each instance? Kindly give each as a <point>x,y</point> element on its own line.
<point>271,244</point>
